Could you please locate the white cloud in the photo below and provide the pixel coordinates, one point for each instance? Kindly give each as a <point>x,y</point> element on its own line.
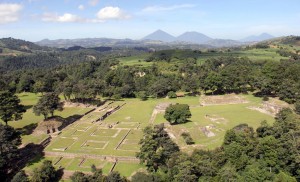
<point>9,12</point>
<point>81,7</point>
<point>104,14</point>
<point>93,2</point>
<point>167,8</point>
<point>67,17</point>
<point>109,12</point>
<point>30,1</point>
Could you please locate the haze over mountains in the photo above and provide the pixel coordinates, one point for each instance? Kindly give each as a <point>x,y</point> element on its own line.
<point>261,37</point>
<point>158,37</point>
<point>199,38</point>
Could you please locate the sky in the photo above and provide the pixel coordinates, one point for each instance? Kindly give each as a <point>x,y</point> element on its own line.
<point>34,20</point>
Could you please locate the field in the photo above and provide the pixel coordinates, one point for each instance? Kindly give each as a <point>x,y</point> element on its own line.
<point>114,140</point>
<point>253,54</point>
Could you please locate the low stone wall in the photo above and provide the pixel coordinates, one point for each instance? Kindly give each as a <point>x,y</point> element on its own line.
<point>93,156</point>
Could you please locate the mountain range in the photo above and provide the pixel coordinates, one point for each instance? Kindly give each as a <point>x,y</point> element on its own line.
<point>188,37</point>
<point>158,37</point>
<point>199,38</point>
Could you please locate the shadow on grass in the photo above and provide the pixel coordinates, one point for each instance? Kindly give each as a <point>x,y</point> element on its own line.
<point>59,174</point>
<point>174,124</point>
<point>28,129</point>
<point>115,99</point>
<point>261,94</point>
<point>31,154</point>
<point>28,107</point>
<point>28,155</point>
<point>73,118</point>
<point>193,94</point>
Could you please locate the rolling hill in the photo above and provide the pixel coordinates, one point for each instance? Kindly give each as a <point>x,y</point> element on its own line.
<point>258,38</point>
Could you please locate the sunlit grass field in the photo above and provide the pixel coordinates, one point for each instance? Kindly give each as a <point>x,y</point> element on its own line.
<point>85,137</point>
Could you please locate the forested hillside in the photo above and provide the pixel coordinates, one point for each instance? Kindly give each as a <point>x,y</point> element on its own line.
<point>101,75</point>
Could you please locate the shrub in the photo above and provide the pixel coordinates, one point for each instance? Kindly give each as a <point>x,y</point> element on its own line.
<point>187,138</point>
<point>172,95</point>
<point>297,107</point>
<point>265,98</point>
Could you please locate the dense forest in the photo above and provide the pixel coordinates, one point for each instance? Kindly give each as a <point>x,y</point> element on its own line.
<point>86,78</point>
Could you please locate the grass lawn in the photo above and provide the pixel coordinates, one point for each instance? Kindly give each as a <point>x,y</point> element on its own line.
<point>84,137</point>
<point>95,144</point>
<point>105,132</point>
<point>86,165</point>
<point>36,139</point>
<point>127,125</point>
<point>62,143</point>
<point>63,162</point>
<point>127,169</point>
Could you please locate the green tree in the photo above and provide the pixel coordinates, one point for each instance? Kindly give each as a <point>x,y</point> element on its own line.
<point>47,104</point>
<point>181,168</point>
<point>20,177</point>
<point>213,82</point>
<point>9,141</point>
<point>267,151</point>
<point>187,138</point>
<point>156,147</point>
<point>205,162</point>
<point>284,177</point>
<point>297,107</point>
<point>10,107</point>
<point>228,173</point>
<point>143,177</point>
<point>114,176</point>
<point>39,87</point>
<point>142,95</point>
<point>45,173</point>
<point>256,173</point>
<point>97,174</point>
<point>172,95</point>
<point>79,177</point>
<point>178,113</point>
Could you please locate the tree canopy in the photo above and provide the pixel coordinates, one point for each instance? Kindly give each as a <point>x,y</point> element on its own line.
<point>47,104</point>
<point>9,141</point>
<point>156,147</point>
<point>178,113</point>
<point>10,107</point>
<point>46,173</point>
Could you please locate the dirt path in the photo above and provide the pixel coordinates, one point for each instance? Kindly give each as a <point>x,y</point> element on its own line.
<point>153,116</point>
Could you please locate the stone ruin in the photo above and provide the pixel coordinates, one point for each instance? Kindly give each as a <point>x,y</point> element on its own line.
<point>162,107</point>
<point>222,99</point>
<point>207,131</point>
<point>49,126</point>
<point>271,107</point>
